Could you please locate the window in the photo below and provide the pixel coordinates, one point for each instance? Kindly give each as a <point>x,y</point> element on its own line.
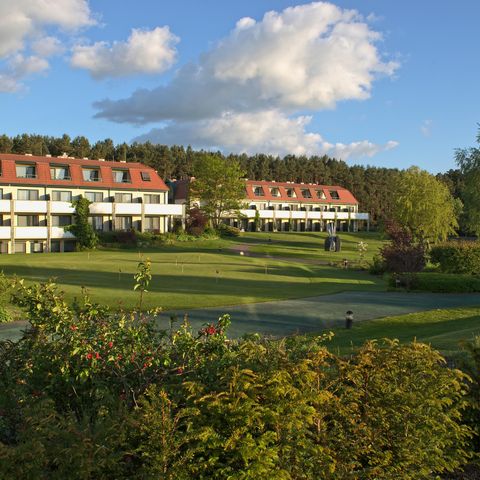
<point>258,191</point>
<point>291,193</point>
<point>334,194</point>
<point>145,176</point>
<point>150,198</point>
<point>61,196</point>
<point>20,247</point>
<point>152,224</point>
<point>60,172</point>
<point>36,247</point>
<point>91,174</point>
<point>123,223</point>
<point>1,193</point>
<point>28,220</point>
<point>96,221</point>
<point>94,197</point>
<point>26,170</point>
<point>55,246</point>
<point>306,193</point>
<point>275,192</point>
<point>321,195</point>
<point>123,198</point>
<point>61,220</point>
<point>1,220</point>
<point>121,176</point>
<point>27,194</point>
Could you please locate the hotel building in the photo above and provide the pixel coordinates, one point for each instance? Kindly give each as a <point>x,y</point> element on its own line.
<point>36,195</point>
<point>284,206</point>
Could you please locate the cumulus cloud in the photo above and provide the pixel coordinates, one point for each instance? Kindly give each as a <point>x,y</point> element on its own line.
<point>18,68</point>
<point>145,51</point>
<point>22,29</point>
<point>307,57</point>
<point>269,131</point>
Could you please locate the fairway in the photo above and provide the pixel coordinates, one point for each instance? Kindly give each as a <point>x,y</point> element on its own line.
<point>185,276</point>
<point>444,329</point>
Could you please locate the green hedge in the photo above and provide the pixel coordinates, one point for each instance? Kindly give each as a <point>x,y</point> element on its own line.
<point>457,257</point>
<point>438,282</point>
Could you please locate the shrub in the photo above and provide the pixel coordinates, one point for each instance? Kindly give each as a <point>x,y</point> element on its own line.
<point>227,231</point>
<point>402,254</point>
<point>457,257</point>
<point>4,315</point>
<point>377,266</point>
<point>196,222</point>
<point>87,393</point>
<point>123,238</point>
<point>437,282</point>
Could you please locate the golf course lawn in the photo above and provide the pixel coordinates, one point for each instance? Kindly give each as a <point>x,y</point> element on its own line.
<point>310,245</point>
<point>197,274</point>
<point>444,330</point>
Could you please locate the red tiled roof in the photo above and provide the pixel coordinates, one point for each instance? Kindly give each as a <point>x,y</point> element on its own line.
<point>9,176</point>
<point>345,197</point>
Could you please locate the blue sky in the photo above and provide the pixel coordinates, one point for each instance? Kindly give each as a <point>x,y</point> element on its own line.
<point>393,85</point>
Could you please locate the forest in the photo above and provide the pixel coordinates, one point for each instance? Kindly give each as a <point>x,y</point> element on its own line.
<point>371,185</point>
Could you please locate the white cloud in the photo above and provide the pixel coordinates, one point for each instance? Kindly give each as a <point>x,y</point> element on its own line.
<point>269,132</point>
<point>307,57</point>
<point>426,128</point>
<point>145,51</point>
<point>22,29</point>
<point>18,68</point>
<point>360,149</point>
<point>47,46</point>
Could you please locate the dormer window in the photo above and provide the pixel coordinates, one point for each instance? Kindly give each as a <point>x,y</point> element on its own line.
<point>275,192</point>
<point>60,172</point>
<point>291,193</point>
<point>306,193</point>
<point>121,176</point>
<point>145,176</point>
<point>321,195</point>
<point>258,191</point>
<point>334,195</point>
<point>26,170</point>
<point>91,174</point>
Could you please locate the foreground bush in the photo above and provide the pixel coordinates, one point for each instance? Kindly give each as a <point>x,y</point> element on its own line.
<point>89,394</point>
<point>457,257</point>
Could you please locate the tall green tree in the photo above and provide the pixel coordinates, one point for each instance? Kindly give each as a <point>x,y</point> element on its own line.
<point>468,159</point>
<point>219,185</point>
<point>424,206</point>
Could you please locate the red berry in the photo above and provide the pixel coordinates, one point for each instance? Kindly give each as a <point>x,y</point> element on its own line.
<point>97,356</point>
<point>110,344</point>
<point>89,356</point>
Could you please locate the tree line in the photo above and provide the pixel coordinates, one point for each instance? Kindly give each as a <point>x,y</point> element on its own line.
<point>372,186</point>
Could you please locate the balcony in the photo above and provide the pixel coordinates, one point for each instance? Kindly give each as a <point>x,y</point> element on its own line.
<point>128,208</point>
<point>61,207</point>
<point>30,233</point>
<point>163,209</point>
<point>5,233</point>
<point>4,206</point>
<point>101,208</point>
<point>59,232</point>
<point>30,206</point>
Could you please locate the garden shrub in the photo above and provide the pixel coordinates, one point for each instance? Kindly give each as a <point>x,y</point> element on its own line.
<point>437,282</point>
<point>402,254</point>
<point>88,393</point>
<point>457,257</point>
<point>227,231</point>
<point>196,222</point>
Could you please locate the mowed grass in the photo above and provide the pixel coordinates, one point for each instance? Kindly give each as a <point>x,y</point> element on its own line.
<point>310,245</point>
<point>443,329</point>
<point>186,276</point>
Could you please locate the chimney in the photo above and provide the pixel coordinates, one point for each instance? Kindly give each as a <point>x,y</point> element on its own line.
<point>86,158</point>
<point>123,161</point>
<point>101,159</point>
<point>48,155</point>
<point>28,155</point>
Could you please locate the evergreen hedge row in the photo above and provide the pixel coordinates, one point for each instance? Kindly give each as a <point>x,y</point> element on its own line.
<point>457,257</point>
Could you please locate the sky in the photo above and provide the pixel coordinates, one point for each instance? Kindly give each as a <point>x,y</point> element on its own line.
<point>377,82</point>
